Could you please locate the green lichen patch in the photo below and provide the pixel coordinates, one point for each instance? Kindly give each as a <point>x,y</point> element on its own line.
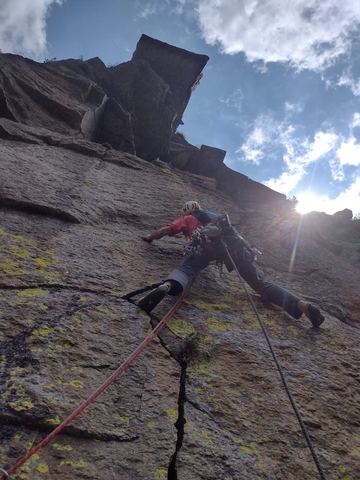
<point>75,322</point>
<point>180,327</point>
<point>78,464</point>
<point>21,405</point>
<point>76,383</point>
<point>171,413</point>
<point>252,449</point>
<point>61,447</point>
<point>203,367</point>
<point>18,251</point>
<point>217,324</point>
<point>52,422</point>
<point>32,292</point>
<point>42,468</point>
<point>20,256</point>
<point>43,332</point>
<point>10,267</point>
<point>161,473</point>
<point>202,436</point>
<point>15,394</point>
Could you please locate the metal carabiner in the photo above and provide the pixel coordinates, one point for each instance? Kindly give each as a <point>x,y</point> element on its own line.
<point>220,266</point>
<point>4,472</point>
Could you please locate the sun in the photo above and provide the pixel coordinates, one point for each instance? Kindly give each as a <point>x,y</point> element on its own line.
<point>308,203</point>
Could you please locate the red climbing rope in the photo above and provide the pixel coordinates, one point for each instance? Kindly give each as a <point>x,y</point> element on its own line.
<point>104,386</point>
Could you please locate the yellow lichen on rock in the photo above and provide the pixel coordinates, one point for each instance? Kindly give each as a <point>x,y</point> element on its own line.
<point>18,251</point>
<point>21,405</point>
<point>42,332</point>
<point>217,324</point>
<point>122,418</point>
<point>202,367</point>
<point>356,452</point>
<point>33,292</point>
<point>79,464</point>
<point>180,327</point>
<point>161,473</point>
<point>11,268</point>
<point>67,448</point>
<point>171,413</point>
<point>75,322</point>
<point>76,383</point>
<point>44,261</point>
<point>252,449</point>
<point>42,468</point>
<point>52,422</point>
<point>292,328</point>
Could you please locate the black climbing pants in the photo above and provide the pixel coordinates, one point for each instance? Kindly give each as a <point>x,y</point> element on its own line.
<point>272,292</point>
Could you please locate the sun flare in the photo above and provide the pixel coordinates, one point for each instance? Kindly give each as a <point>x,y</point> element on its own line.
<point>308,203</point>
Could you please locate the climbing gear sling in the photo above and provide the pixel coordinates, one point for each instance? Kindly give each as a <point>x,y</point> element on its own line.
<point>209,236</point>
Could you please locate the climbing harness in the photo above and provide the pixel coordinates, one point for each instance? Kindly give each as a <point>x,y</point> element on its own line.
<point>287,388</point>
<point>195,246</point>
<point>220,228</point>
<point>121,369</point>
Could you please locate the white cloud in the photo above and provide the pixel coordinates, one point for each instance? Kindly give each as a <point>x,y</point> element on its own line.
<point>293,108</point>
<point>356,120</point>
<point>234,100</point>
<point>286,182</point>
<point>179,8</point>
<point>349,152</point>
<point>349,198</point>
<point>265,136</point>
<point>298,157</point>
<point>270,138</point>
<point>323,143</point>
<point>306,33</point>
<point>253,149</point>
<point>146,10</point>
<point>347,80</point>
<point>23,26</point>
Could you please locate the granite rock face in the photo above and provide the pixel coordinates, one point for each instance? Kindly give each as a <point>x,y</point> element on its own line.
<point>204,400</point>
<point>134,107</point>
<point>107,105</point>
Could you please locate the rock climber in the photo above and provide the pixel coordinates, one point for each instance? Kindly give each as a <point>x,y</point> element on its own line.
<point>194,220</point>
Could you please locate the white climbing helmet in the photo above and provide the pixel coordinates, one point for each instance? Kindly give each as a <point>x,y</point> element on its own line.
<point>190,205</point>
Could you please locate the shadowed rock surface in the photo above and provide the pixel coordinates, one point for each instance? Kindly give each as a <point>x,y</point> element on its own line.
<point>71,215</point>
<point>106,105</point>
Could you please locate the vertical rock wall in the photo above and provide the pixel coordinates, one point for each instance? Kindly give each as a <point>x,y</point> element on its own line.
<point>71,216</point>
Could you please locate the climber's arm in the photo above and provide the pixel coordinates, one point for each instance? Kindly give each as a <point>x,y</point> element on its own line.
<point>157,234</point>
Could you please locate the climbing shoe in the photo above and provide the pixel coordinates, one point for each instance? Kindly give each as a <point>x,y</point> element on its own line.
<point>149,302</point>
<point>315,316</point>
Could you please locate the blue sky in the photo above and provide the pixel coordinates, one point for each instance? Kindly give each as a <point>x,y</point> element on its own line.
<point>280,92</point>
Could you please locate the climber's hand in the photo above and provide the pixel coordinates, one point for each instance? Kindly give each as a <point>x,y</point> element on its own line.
<point>147,238</point>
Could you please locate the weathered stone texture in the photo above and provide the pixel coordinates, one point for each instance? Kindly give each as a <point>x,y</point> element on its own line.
<point>107,105</point>
<point>135,107</point>
<point>71,216</point>
<point>204,400</point>
<point>208,161</point>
